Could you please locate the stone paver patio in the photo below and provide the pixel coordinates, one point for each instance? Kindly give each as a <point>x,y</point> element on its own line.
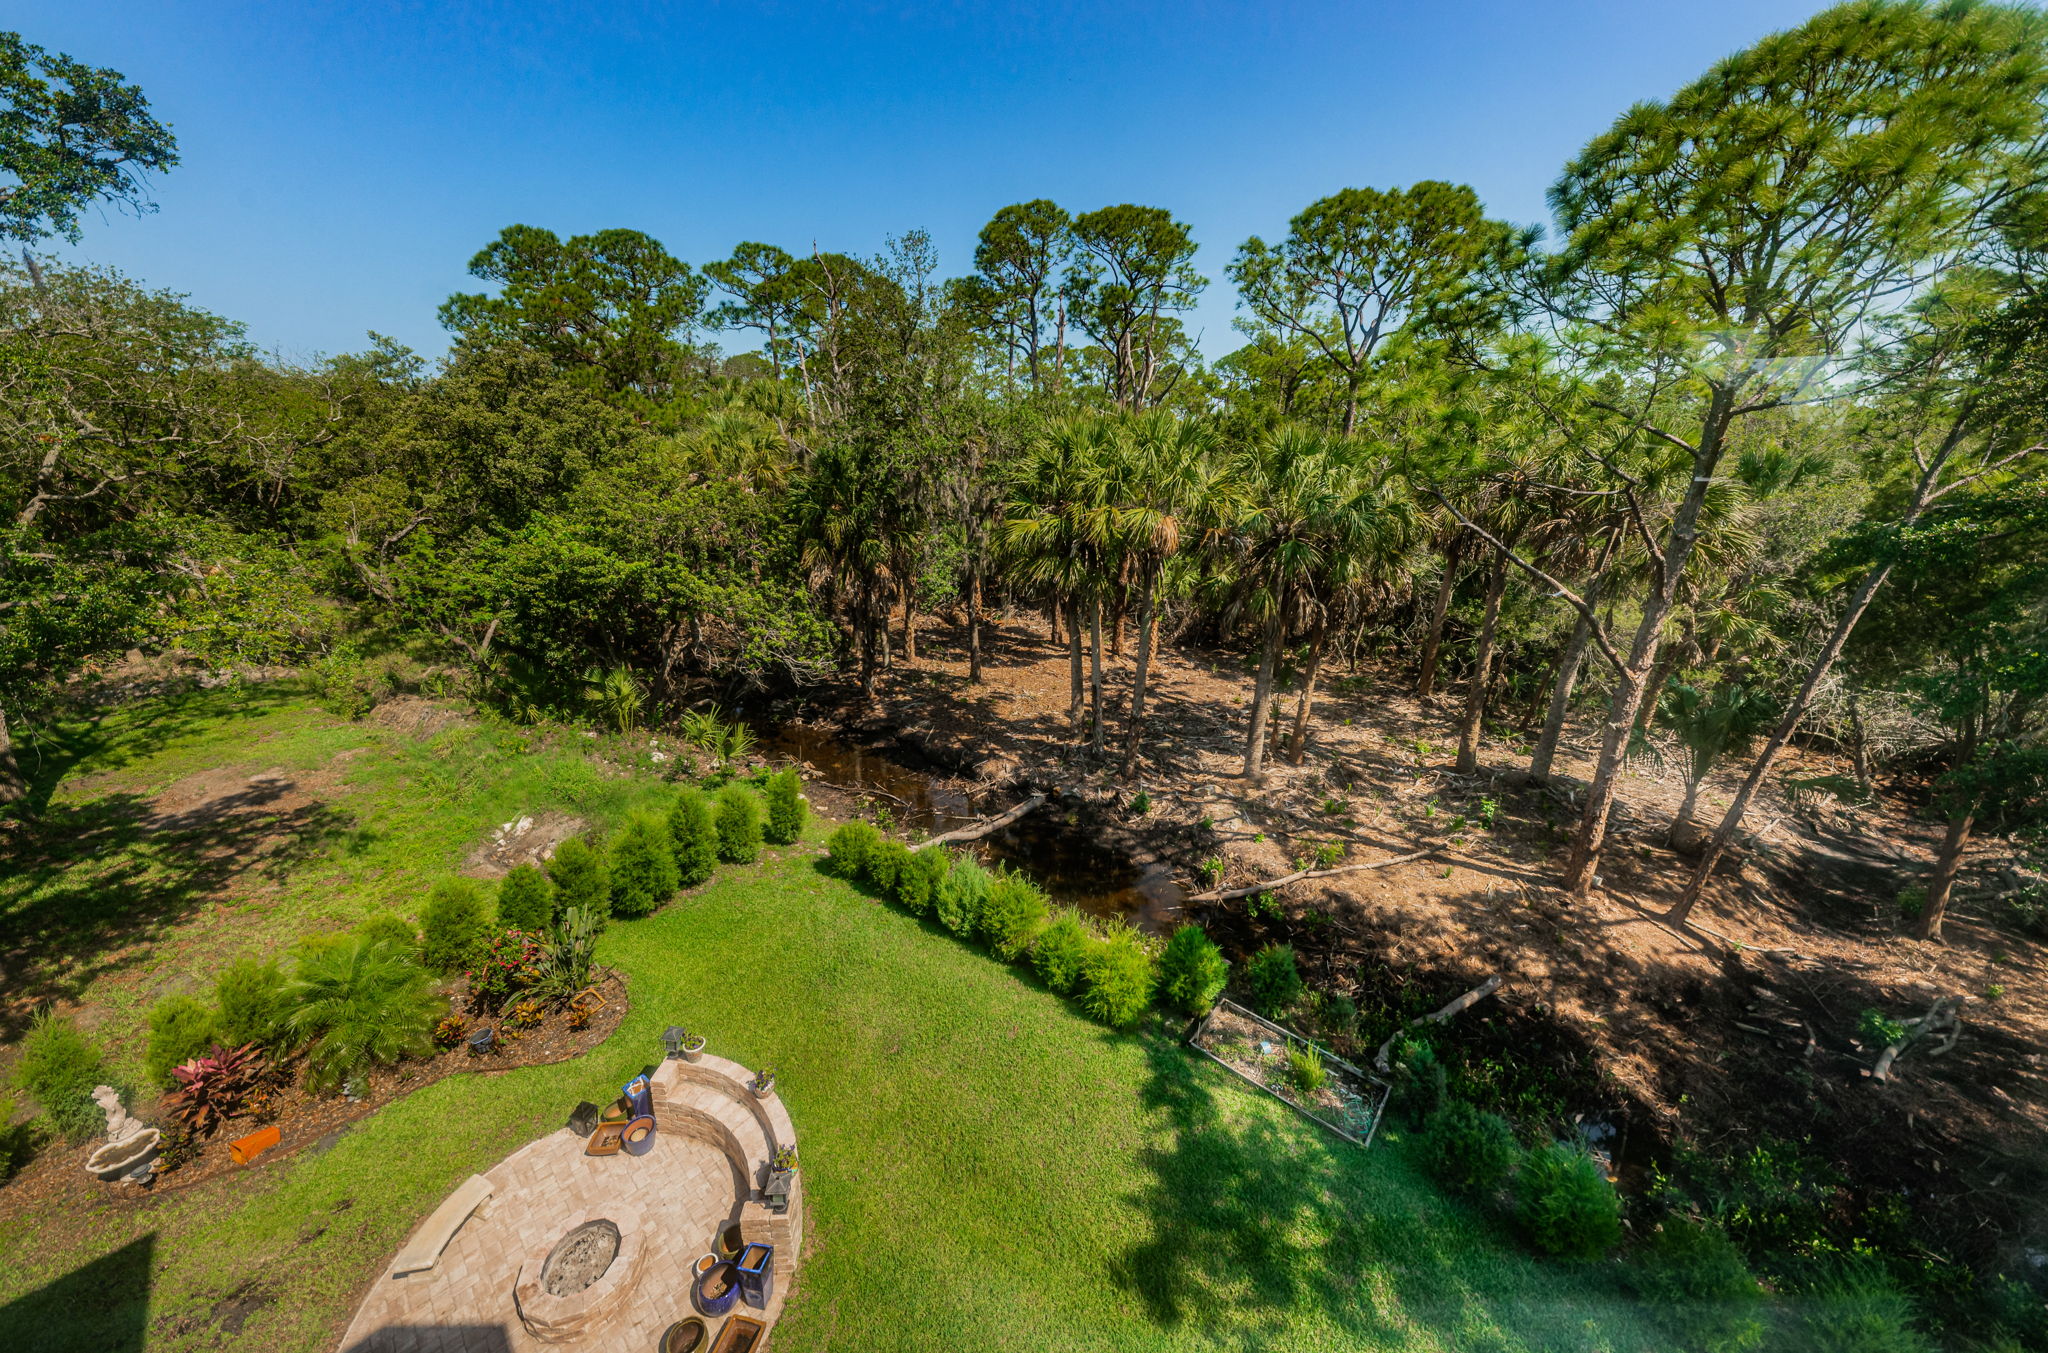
<point>705,1171</point>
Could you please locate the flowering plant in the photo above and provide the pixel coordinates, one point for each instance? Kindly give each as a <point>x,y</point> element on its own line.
<point>506,964</point>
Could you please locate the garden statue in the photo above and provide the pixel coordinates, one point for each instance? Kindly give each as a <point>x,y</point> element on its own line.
<point>130,1152</point>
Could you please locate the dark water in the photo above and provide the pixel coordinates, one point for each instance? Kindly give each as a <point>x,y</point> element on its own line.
<point>1050,844</point>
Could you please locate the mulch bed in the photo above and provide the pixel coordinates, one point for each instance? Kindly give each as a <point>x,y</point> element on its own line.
<point>1347,1102</point>
<point>307,1120</point>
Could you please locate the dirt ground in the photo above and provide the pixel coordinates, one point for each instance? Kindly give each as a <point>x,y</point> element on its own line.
<point>1740,1026</point>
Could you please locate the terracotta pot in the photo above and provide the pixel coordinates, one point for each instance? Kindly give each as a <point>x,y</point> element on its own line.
<point>245,1149</point>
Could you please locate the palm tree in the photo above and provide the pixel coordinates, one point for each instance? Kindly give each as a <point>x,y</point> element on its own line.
<point>1313,516</point>
<point>1054,528</point>
<point>1709,726</point>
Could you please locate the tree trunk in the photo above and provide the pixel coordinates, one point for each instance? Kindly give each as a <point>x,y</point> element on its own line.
<point>974,623</point>
<point>1561,700</point>
<point>1095,670</point>
<point>1308,695</point>
<point>909,626</point>
<point>1475,697</point>
<point>1668,656</point>
<point>1074,697</point>
<point>1262,698</point>
<point>1145,640</point>
<point>1584,864</point>
<point>1683,819</point>
<point>1052,619</point>
<point>13,786</point>
<point>1859,745</point>
<point>1433,640</point>
<point>1946,866</point>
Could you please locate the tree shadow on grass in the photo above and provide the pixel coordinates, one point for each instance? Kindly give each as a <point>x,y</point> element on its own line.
<point>102,1306</point>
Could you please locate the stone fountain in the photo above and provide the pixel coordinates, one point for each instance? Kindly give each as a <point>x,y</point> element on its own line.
<point>130,1152</point>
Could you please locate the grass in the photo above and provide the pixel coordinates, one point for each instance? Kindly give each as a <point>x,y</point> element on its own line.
<point>985,1168</point>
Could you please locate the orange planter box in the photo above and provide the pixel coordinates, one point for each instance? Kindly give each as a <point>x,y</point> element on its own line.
<point>246,1149</point>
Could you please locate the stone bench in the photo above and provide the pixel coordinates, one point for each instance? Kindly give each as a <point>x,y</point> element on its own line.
<point>423,1251</point>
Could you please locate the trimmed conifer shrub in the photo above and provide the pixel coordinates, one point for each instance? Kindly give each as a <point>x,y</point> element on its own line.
<point>1274,982</point>
<point>1013,915</point>
<point>1693,1276</point>
<point>181,1027</point>
<point>59,1066</point>
<point>1470,1152</point>
<point>786,807</point>
<point>693,830</point>
<point>386,924</point>
<point>1192,970</point>
<point>962,895</point>
<point>250,995</point>
<point>850,847</point>
<point>885,863</point>
<point>526,900</point>
<point>919,879</point>
<point>642,867</point>
<point>1565,1203</point>
<point>1116,979</point>
<point>578,873</point>
<point>1854,1307</point>
<point>456,919</point>
<point>1060,950</point>
<point>739,825</point>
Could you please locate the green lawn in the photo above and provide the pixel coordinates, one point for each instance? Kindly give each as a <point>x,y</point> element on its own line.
<point>985,1169</point>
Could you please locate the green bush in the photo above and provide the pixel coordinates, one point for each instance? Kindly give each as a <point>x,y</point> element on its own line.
<point>786,808</point>
<point>1855,1308</point>
<point>454,923</point>
<point>1060,950</point>
<point>357,1004</point>
<point>739,825</point>
<point>886,862</point>
<point>1469,1152</point>
<point>1014,914</point>
<point>920,877</point>
<point>642,867</point>
<point>693,830</point>
<point>250,995</point>
<point>526,900</point>
<point>181,1027</point>
<point>578,873</point>
<point>17,1140</point>
<point>1116,979</point>
<point>59,1067</point>
<point>850,848</point>
<point>963,895</point>
<point>1692,1275</point>
<point>1192,970</point>
<point>386,924</point>
<point>1565,1203</point>
<point>1272,979</point>
<point>1305,1068</point>
<point>1419,1081</point>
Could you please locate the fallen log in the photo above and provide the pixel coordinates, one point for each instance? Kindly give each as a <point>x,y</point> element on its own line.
<point>1227,894</point>
<point>993,825</point>
<point>1448,1012</point>
<point>1945,1016</point>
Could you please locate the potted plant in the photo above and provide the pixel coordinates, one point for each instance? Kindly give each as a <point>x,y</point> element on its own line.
<point>763,1084</point>
<point>693,1047</point>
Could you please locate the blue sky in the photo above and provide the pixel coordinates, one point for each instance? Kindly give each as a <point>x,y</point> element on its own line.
<point>343,161</point>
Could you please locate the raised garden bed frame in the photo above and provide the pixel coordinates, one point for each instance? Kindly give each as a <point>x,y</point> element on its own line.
<point>1384,1088</point>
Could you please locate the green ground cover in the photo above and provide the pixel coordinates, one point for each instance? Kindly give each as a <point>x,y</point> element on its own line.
<point>986,1168</point>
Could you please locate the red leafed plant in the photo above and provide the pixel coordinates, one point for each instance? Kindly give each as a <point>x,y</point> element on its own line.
<point>214,1088</point>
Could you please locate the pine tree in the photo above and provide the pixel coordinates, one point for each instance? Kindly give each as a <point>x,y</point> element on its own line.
<point>739,825</point>
<point>786,808</point>
<point>578,873</point>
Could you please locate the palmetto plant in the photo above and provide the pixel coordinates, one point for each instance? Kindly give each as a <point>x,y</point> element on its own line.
<point>1056,527</point>
<point>361,1002</point>
<point>726,740</point>
<point>1709,726</point>
<point>618,695</point>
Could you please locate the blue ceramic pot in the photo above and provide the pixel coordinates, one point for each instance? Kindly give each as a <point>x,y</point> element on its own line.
<point>722,1280</point>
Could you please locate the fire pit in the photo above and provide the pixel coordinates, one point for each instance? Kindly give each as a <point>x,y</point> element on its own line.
<point>570,1284</point>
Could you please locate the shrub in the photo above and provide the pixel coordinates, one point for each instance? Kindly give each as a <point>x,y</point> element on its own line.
<point>850,848</point>
<point>1060,950</point>
<point>1468,1152</point>
<point>1854,1308</point>
<point>1565,1203</point>
<point>578,873</point>
<point>60,1068</point>
<point>885,863</point>
<point>693,832</point>
<point>1116,979</point>
<point>1192,970</point>
<point>739,825</point>
<point>505,966</point>
<point>1305,1068</point>
<point>1693,1276</point>
<point>526,900</point>
<point>181,1027</point>
<point>250,995</point>
<point>17,1140</point>
<point>214,1088</point>
<point>963,895</point>
<point>1419,1080</point>
<point>786,808</point>
<point>360,1003</point>
<point>1877,1030</point>
<point>1270,974</point>
<point>919,880</point>
<point>386,924</point>
<point>1013,915</point>
<point>454,923</point>
<point>568,959</point>
<point>642,866</point>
